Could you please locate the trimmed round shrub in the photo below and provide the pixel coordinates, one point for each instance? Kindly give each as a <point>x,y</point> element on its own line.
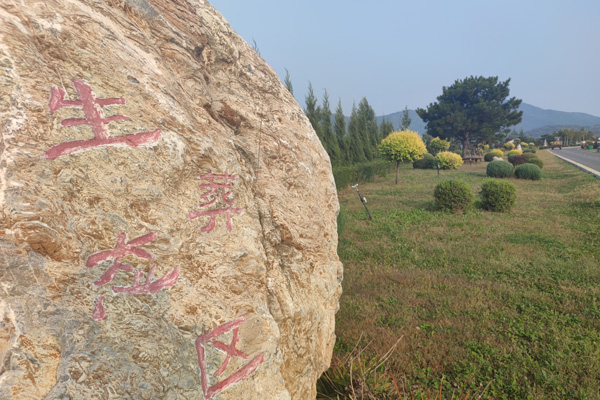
<point>494,153</point>
<point>498,196</point>
<point>403,146</point>
<point>499,169</point>
<point>533,159</point>
<point>448,160</point>
<point>524,145</point>
<point>509,145</point>
<point>515,153</point>
<point>438,145</point>
<point>528,171</point>
<point>517,160</point>
<point>453,195</point>
<point>427,162</point>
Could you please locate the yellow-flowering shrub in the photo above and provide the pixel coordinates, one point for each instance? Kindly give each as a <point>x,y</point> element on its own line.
<point>401,147</point>
<point>437,145</point>
<point>514,153</point>
<point>509,146</point>
<point>448,160</point>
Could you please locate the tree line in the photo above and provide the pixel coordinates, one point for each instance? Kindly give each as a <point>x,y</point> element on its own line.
<point>569,137</point>
<point>469,113</point>
<point>347,141</point>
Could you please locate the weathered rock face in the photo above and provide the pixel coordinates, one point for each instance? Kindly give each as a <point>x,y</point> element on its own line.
<point>168,214</point>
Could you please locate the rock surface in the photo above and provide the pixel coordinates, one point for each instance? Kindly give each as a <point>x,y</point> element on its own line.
<point>168,215</point>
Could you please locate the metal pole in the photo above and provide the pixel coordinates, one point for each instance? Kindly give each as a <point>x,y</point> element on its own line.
<point>364,201</point>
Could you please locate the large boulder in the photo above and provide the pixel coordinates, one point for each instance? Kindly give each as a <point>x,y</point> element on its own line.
<point>168,215</point>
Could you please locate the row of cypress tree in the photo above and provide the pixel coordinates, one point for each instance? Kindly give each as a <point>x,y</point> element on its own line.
<point>349,141</point>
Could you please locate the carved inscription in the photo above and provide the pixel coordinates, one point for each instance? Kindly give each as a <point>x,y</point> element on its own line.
<point>230,350</point>
<point>217,189</point>
<point>95,119</point>
<point>123,248</point>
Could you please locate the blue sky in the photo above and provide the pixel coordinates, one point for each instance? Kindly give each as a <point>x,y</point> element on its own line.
<point>400,53</point>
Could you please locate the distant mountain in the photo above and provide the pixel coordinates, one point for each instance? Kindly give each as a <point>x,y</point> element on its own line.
<point>535,118</point>
<point>536,121</point>
<point>545,130</point>
<point>416,123</point>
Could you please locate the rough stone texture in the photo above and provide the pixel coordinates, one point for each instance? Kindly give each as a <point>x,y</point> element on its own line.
<point>274,276</point>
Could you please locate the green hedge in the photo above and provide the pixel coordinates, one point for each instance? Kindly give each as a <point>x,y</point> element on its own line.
<point>364,172</point>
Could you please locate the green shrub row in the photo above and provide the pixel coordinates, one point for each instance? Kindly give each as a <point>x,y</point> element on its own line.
<point>456,196</point>
<point>528,167</point>
<point>365,172</point>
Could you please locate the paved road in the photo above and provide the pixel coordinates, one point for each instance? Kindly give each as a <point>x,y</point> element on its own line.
<point>587,158</point>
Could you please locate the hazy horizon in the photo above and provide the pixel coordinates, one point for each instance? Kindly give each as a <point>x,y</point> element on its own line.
<point>402,54</point>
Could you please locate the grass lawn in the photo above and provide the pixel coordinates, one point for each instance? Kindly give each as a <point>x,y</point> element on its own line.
<point>510,301</point>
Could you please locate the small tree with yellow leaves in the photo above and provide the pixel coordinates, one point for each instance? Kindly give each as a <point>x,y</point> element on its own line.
<point>402,147</point>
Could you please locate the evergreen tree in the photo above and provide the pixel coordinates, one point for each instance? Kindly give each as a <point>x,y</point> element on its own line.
<point>405,123</point>
<point>385,128</point>
<point>356,153</point>
<point>313,112</point>
<point>339,127</point>
<point>367,127</point>
<point>473,110</point>
<point>329,139</point>
<point>288,82</point>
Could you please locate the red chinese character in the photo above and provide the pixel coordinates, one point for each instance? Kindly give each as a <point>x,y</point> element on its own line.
<point>231,351</point>
<point>123,248</point>
<point>94,118</point>
<point>216,191</point>
<point>98,314</point>
<point>149,287</point>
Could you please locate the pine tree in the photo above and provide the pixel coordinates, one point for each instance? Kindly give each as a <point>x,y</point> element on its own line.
<point>339,127</point>
<point>329,138</point>
<point>473,110</point>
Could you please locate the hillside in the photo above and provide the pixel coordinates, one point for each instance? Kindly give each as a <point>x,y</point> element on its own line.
<point>536,121</point>
<point>535,117</point>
